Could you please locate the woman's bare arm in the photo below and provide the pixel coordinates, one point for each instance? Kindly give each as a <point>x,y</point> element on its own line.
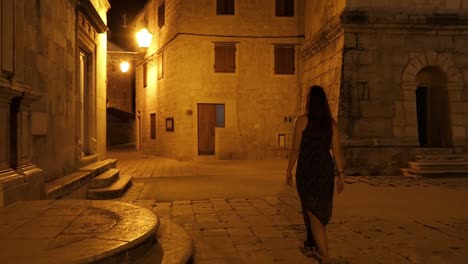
<point>337,149</point>
<point>299,125</point>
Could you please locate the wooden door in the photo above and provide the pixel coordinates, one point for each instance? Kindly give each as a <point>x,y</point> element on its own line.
<point>206,129</point>
<point>421,107</point>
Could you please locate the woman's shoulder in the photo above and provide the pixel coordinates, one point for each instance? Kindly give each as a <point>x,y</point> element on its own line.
<point>301,119</point>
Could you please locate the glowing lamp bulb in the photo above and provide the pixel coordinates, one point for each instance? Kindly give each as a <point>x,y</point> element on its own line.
<point>144,38</point>
<point>124,66</point>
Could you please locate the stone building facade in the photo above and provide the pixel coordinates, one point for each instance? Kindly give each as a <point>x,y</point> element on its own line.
<point>395,73</point>
<point>208,86</point>
<point>52,92</point>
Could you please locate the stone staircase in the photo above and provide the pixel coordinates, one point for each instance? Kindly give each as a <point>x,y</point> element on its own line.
<point>106,182</point>
<point>437,166</point>
<point>97,181</point>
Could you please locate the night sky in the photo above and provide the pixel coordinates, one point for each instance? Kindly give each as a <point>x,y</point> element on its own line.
<point>119,35</point>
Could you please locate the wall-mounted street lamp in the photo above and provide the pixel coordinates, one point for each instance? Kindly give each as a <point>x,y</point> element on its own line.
<point>124,66</point>
<point>144,38</point>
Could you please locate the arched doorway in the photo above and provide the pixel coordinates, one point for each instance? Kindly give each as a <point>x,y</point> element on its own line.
<point>433,113</point>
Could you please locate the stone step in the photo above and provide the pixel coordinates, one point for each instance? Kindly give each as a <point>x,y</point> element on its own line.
<point>105,179</point>
<point>441,158</point>
<point>65,185</point>
<point>84,232</point>
<point>439,165</point>
<point>173,245</point>
<point>408,172</point>
<point>100,166</point>
<point>117,189</point>
<point>434,173</point>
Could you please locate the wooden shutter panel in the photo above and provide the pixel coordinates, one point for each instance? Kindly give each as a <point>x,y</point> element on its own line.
<point>279,7</point>
<point>153,126</point>
<point>220,7</point>
<point>277,59</point>
<point>289,58</point>
<point>219,58</point>
<point>229,7</point>
<point>230,58</point>
<point>161,13</point>
<point>289,8</point>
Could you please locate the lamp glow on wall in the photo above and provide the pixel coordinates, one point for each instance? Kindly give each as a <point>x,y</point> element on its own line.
<point>144,38</point>
<point>124,66</point>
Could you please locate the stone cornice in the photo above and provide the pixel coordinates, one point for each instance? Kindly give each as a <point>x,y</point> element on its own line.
<point>401,19</point>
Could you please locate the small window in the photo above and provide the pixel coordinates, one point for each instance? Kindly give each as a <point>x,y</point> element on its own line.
<point>161,15</point>
<point>284,59</point>
<point>145,75</point>
<point>285,8</point>
<point>160,66</point>
<point>225,57</point>
<point>153,125</point>
<point>220,115</point>
<point>225,7</point>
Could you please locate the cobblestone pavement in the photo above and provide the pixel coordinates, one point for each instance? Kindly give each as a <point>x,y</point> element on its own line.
<point>270,229</point>
<point>378,219</point>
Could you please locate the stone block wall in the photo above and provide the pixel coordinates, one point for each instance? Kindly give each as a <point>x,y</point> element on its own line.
<point>378,97</point>
<point>39,93</point>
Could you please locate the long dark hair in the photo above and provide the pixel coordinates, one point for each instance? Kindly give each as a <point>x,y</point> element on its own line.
<point>318,110</point>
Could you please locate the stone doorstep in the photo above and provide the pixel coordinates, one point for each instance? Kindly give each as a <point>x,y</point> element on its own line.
<point>434,173</point>
<point>105,179</point>
<point>439,165</point>
<point>65,185</point>
<point>117,189</point>
<point>98,167</point>
<point>441,158</point>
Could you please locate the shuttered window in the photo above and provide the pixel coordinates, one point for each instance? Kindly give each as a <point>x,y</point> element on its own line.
<point>225,7</point>
<point>161,15</point>
<point>284,59</point>
<point>153,125</point>
<point>160,60</point>
<point>285,8</point>
<point>145,75</point>
<point>225,57</point>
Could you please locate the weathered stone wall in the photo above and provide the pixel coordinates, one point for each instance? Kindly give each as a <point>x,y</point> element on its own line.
<point>323,50</point>
<point>256,100</point>
<point>50,28</point>
<point>39,90</point>
<point>378,99</point>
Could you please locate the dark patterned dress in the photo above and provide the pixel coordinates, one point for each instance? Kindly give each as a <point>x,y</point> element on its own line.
<point>315,173</point>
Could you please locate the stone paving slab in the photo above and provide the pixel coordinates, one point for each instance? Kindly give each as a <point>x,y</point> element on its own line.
<point>72,231</point>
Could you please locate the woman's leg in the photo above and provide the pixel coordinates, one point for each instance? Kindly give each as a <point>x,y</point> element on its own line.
<point>320,237</point>
<point>310,241</point>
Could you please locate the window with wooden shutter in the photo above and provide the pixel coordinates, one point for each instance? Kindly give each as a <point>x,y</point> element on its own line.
<point>153,126</point>
<point>284,59</point>
<point>161,15</point>
<point>225,57</point>
<point>145,75</point>
<point>160,60</point>
<point>285,8</point>
<point>225,7</point>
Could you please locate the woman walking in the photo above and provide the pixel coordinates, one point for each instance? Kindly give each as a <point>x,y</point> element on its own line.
<point>314,134</point>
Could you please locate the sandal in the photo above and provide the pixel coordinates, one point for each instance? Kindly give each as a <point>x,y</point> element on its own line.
<point>311,252</point>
